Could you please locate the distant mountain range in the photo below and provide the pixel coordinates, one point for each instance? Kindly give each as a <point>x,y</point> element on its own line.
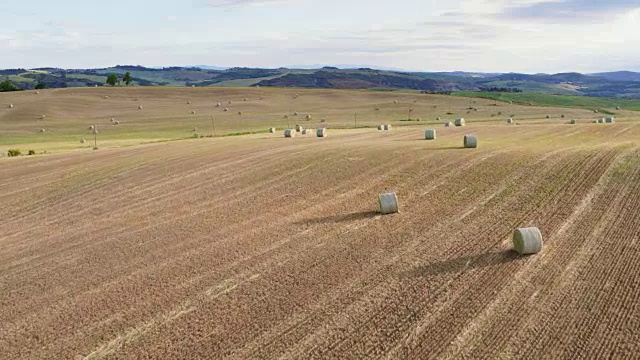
<point>621,84</point>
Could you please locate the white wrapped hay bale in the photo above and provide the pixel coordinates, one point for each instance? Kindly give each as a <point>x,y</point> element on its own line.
<point>289,133</point>
<point>380,127</point>
<point>609,120</point>
<point>82,141</point>
<point>527,241</point>
<point>10,106</point>
<point>189,102</point>
<point>387,127</point>
<point>388,203</point>
<point>225,109</point>
<point>510,121</point>
<point>321,132</point>
<point>460,122</point>
<point>43,130</point>
<point>306,131</point>
<point>218,105</point>
<point>600,121</point>
<point>139,107</point>
<point>299,128</point>
<point>430,134</point>
<point>573,121</point>
<point>617,107</point>
<point>448,124</point>
<point>470,141</point>
<point>272,130</point>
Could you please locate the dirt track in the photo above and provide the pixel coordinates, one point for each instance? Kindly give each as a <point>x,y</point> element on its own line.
<point>264,247</point>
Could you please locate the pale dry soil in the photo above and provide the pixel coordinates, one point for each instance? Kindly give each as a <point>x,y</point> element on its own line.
<point>266,247</point>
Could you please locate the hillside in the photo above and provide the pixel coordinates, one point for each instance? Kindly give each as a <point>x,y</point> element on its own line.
<point>624,85</point>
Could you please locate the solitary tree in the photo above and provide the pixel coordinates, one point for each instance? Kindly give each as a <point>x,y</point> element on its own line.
<point>127,78</point>
<point>112,79</point>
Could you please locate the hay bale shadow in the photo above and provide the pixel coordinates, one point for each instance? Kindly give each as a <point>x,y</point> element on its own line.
<point>447,148</point>
<point>465,263</point>
<point>334,219</point>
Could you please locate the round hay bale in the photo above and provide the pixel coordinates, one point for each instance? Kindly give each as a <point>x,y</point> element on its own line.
<point>295,114</point>
<point>527,241</point>
<point>229,102</point>
<point>595,111</point>
<point>395,101</point>
<point>112,119</point>
<point>218,105</point>
<point>193,86</point>
<point>289,133</point>
<point>139,107</point>
<point>380,127</point>
<point>418,119</point>
<point>37,92</point>
<point>193,112</point>
<point>618,108</point>
<point>286,116</point>
<point>245,99</point>
<point>509,121</point>
<point>470,141</point>
<point>460,122</point>
<point>448,124</point>
<point>377,109</point>
<point>91,128</point>
<point>239,112</point>
<point>10,106</point>
<point>106,96</point>
<point>609,120</point>
<point>321,132</point>
<point>601,121</point>
<point>43,116</point>
<point>548,117</point>
<point>117,123</point>
<point>430,134</point>
<point>83,141</point>
<point>299,128</point>
<point>387,127</point>
<point>308,117</point>
<point>388,203</point>
<point>306,131</point>
<point>573,121</point>
<point>438,118</point>
<point>225,109</point>
<point>42,130</point>
<point>189,102</point>
<point>272,130</point>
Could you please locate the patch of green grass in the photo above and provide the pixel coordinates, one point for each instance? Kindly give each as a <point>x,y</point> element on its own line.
<point>569,101</point>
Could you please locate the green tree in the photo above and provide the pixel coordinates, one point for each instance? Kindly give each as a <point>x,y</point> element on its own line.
<point>8,86</point>
<point>127,78</point>
<point>40,85</point>
<point>112,80</point>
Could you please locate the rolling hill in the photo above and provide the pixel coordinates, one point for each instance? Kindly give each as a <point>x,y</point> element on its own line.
<point>623,85</point>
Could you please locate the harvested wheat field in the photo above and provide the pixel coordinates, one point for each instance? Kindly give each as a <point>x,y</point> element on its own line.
<point>264,247</point>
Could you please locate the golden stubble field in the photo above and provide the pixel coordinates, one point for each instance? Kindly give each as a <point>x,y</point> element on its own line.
<point>166,113</point>
<point>264,247</point>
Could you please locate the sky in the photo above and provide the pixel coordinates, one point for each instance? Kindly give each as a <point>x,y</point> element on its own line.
<point>529,36</point>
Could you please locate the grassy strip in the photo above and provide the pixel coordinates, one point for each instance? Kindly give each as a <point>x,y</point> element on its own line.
<point>569,101</point>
